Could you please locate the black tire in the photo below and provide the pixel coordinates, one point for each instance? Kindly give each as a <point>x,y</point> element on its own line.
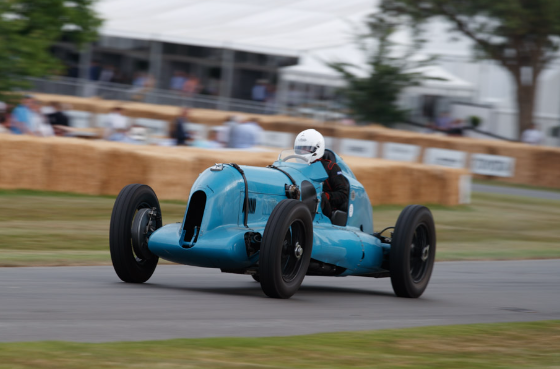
<point>286,249</point>
<point>413,251</point>
<point>256,278</point>
<point>128,264</point>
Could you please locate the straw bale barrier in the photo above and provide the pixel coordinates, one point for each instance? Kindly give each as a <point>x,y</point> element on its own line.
<point>24,162</point>
<point>534,165</point>
<point>104,168</point>
<point>538,166</point>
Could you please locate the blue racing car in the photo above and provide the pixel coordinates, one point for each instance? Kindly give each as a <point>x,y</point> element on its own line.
<point>268,223</point>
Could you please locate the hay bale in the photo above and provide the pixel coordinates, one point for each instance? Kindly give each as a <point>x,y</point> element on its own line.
<point>121,166</point>
<point>546,165</point>
<point>25,160</point>
<point>171,176</point>
<point>75,166</point>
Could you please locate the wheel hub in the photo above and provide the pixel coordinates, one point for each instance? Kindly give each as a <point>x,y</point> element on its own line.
<point>425,253</point>
<point>298,250</point>
<point>142,227</point>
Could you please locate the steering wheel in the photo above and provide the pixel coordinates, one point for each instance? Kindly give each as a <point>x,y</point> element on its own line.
<point>294,157</point>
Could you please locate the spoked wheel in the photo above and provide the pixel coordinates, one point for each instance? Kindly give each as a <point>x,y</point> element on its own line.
<point>413,251</point>
<point>136,215</point>
<point>286,249</point>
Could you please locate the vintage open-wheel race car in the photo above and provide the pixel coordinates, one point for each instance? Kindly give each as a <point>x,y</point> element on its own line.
<point>267,223</point>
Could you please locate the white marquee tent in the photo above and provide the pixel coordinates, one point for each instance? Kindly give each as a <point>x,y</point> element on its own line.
<point>284,27</point>
<point>313,30</point>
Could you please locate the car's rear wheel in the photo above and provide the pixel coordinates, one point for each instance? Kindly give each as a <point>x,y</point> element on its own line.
<point>286,249</point>
<point>413,251</point>
<point>136,214</point>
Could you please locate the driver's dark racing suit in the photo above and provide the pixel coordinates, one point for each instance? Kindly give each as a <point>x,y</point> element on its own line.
<point>335,189</point>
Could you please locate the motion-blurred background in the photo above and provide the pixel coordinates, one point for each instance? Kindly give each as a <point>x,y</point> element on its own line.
<point>464,85</point>
<point>451,104</point>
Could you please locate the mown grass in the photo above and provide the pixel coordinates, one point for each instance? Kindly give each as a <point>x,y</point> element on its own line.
<point>511,345</point>
<point>43,228</point>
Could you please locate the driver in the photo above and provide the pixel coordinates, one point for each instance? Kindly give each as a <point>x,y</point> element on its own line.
<point>311,145</point>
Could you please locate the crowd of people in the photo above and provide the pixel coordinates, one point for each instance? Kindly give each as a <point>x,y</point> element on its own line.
<point>237,132</point>
<point>446,124</point>
<point>31,117</point>
<point>456,127</point>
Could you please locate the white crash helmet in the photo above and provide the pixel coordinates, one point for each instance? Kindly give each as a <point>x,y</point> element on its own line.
<point>310,144</point>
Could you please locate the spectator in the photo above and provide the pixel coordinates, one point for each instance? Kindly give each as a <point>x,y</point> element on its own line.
<point>58,119</point>
<point>212,141</point>
<point>271,99</point>
<point>21,117</point>
<point>257,131</point>
<point>94,71</point>
<point>143,83</point>
<point>178,131</point>
<point>224,131</point>
<point>177,81</point>
<point>191,86</point>
<point>532,135</point>
<point>456,128</point>
<point>39,123</point>
<point>107,74</point>
<point>241,136</point>
<point>444,121</point>
<point>259,91</point>
<point>139,80</point>
<point>116,126</point>
<point>5,117</point>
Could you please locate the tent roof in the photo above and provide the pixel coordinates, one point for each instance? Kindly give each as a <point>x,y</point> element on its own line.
<point>312,69</point>
<point>284,27</point>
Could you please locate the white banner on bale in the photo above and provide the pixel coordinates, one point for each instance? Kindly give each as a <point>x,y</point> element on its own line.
<point>492,165</point>
<point>363,148</point>
<point>400,152</point>
<point>445,158</point>
<point>281,140</point>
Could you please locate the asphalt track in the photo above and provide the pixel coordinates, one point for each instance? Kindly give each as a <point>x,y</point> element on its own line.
<point>91,304</point>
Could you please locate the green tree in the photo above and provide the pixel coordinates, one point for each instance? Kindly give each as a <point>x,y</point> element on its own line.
<point>372,94</point>
<point>28,28</point>
<point>521,35</point>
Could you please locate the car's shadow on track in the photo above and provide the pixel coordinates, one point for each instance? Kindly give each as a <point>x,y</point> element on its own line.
<point>250,291</point>
<point>327,290</point>
<point>253,289</point>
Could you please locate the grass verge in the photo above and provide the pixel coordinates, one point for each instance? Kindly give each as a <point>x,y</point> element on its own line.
<point>43,228</point>
<point>511,345</point>
<point>492,182</point>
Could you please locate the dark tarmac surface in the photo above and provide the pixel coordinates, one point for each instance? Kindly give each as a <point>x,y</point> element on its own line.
<point>91,304</point>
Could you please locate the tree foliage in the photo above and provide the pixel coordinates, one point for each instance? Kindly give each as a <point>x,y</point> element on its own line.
<point>372,94</point>
<point>28,28</point>
<point>522,35</point>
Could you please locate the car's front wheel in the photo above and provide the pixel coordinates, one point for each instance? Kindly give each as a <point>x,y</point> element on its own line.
<point>286,249</point>
<point>413,251</point>
<point>136,215</point>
